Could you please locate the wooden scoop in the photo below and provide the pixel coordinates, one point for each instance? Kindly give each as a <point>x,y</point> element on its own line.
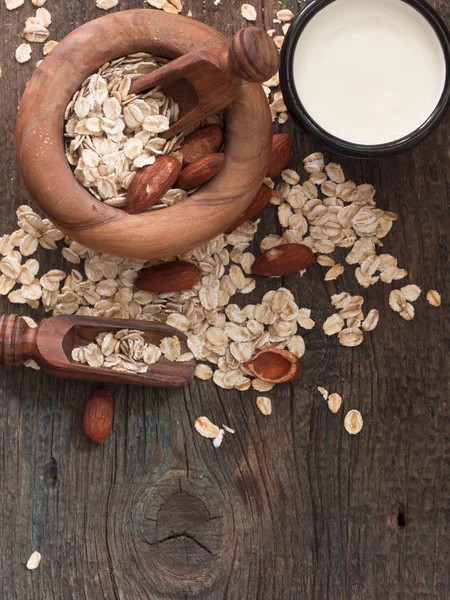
<point>51,344</point>
<point>203,82</point>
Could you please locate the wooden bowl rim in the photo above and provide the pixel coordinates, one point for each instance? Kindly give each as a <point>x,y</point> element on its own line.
<point>50,180</point>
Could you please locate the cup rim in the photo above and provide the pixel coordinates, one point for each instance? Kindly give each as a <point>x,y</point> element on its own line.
<point>334,143</point>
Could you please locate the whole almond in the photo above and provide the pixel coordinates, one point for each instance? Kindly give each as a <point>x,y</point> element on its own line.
<point>281,154</point>
<point>173,276</point>
<point>283,260</point>
<point>204,140</point>
<point>200,171</point>
<point>98,415</point>
<point>274,365</point>
<point>151,183</point>
<point>260,201</point>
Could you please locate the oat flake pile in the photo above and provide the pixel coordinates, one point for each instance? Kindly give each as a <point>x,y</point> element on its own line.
<point>109,136</point>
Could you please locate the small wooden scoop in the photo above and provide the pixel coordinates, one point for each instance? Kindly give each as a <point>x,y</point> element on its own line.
<point>51,344</point>
<point>204,82</point>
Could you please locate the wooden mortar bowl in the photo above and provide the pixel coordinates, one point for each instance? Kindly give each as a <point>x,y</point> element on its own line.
<point>49,178</point>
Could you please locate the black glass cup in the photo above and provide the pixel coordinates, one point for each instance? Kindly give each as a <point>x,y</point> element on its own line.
<point>346,148</point>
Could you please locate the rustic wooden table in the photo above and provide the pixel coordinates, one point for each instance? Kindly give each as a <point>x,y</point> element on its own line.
<point>291,506</point>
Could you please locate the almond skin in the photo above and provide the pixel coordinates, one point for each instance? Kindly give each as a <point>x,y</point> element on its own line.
<point>202,141</point>
<point>274,365</point>
<point>260,201</point>
<point>281,154</point>
<point>98,415</point>
<point>151,183</point>
<point>200,171</point>
<point>283,260</point>
<point>173,276</point>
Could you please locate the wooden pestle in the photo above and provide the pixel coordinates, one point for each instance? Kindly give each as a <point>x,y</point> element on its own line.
<point>203,82</point>
<point>51,344</point>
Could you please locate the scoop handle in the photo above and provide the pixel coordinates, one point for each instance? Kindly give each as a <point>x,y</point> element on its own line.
<point>252,55</point>
<point>17,341</point>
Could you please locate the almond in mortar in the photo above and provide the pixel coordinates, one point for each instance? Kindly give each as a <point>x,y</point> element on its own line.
<point>202,141</point>
<point>151,183</point>
<point>200,171</point>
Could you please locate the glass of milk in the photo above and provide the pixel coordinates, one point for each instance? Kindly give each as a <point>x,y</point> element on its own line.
<point>367,77</point>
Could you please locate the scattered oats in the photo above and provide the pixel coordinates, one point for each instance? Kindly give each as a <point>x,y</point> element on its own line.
<point>264,404</point>
<point>325,261</point>
<point>278,104</point>
<point>219,438</point>
<point>350,337</point>
<point>314,163</point>
<point>23,53</point>
<point>333,324</point>
<point>203,372</point>
<point>178,321</point>
<point>290,176</point>
<point>248,12</point>
<point>34,30</point>
<point>334,402</point>
<point>106,4</point>
<point>323,391</point>
<point>411,292</point>
<point>371,320</point>
<point>156,3</point>
<point>434,298</point>
<point>334,272</point>
<point>31,364</point>
<point>29,321</point>
<point>228,429</point>
<point>285,15</point>
<point>38,3</point>
<point>278,40</point>
<point>304,319</point>
<point>335,172</point>
<point>397,300</point>
<point>13,4</point>
<point>44,17</point>
<point>353,422</point>
<point>34,561</point>
<point>408,312</point>
<point>49,46</point>
<point>262,386</point>
<point>296,345</point>
<point>205,428</point>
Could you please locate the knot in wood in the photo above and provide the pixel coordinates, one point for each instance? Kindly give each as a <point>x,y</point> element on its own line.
<point>182,527</point>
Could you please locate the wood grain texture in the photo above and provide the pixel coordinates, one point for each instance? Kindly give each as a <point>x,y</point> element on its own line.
<point>289,508</point>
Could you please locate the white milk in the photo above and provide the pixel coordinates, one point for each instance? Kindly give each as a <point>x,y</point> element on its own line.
<point>369,71</point>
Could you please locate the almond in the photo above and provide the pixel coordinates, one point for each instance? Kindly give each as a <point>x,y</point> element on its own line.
<point>200,171</point>
<point>281,154</point>
<point>283,260</point>
<point>260,201</point>
<point>98,415</point>
<point>173,276</point>
<point>204,140</point>
<point>274,365</point>
<point>151,183</point>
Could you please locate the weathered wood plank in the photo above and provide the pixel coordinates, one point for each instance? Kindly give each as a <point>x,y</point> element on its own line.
<point>290,506</point>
